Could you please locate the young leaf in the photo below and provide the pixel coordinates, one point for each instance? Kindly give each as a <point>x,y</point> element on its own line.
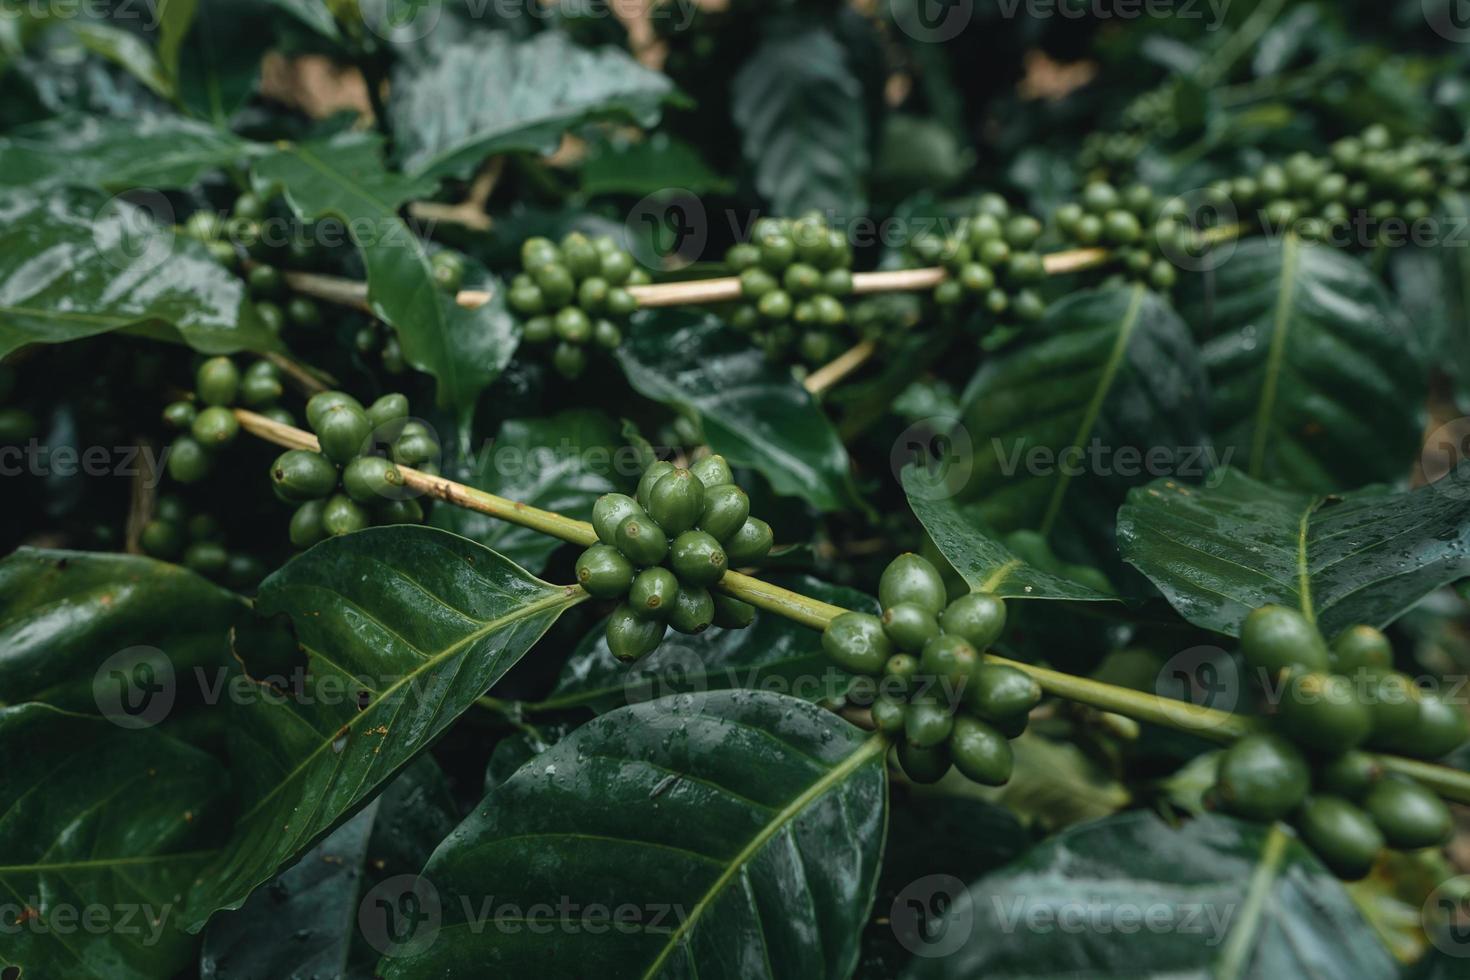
<point>802,123</point>
<point>1109,389</point>
<point>772,654</point>
<point>402,628</point>
<point>497,93</point>
<point>74,263</point>
<point>755,414</point>
<point>562,463</point>
<point>1216,897</point>
<point>99,817</point>
<point>740,827</point>
<point>464,349</point>
<point>1218,552</point>
<point>314,14</point>
<point>984,563</point>
<point>1314,383</point>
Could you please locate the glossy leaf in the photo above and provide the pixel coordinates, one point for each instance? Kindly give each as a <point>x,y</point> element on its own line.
<point>772,654</point>
<point>983,562</point>
<point>64,614</point>
<point>219,64</point>
<point>153,151</point>
<point>1314,383</point>
<point>803,125</point>
<point>99,817</point>
<point>1106,392</point>
<point>75,264</point>
<point>314,14</point>
<point>1432,284</point>
<point>402,628</point>
<point>172,19</point>
<point>1218,552</point>
<point>562,463</point>
<point>1216,897</point>
<point>464,349</point>
<point>743,828</point>
<point>648,166</point>
<point>321,896</point>
<point>753,413</point>
<point>498,93</point>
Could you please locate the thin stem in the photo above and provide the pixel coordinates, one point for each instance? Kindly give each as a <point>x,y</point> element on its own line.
<point>840,367</point>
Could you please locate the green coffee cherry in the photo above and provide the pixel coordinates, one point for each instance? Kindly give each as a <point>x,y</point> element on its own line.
<point>388,414</point>
<point>306,527</point>
<point>1361,646</point>
<point>732,613</point>
<point>188,462</point>
<point>414,446</point>
<point>697,558</point>
<point>606,335</point>
<point>1323,711</point>
<point>570,360</point>
<point>264,280</point>
<point>538,330</point>
<point>538,251</point>
<point>260,388</point>
<point>580,255</point>
<point>979,617</point>
<point>889,715</point>
<point>630,636</point>
<point>1440,729</point>
<point>923,765</point>
<point>215,427</point>
<point>856,642</point>
<point>726,508</point>
<point>171,510</point>
<point>641,540</point>
<point>749,544</point>
<point>342,515</point>
<point>573,325</point>
<point>217,381</point>
<point>405,511</point>
<point>1263,777</point>
<point>206,557</point>
<point>1349,775</point>
<point>949,658</point>
<point>980,752</point>
<point>448,270</point>
<point>299,474</point>
<point>1343,836</point>
<point>205,527</point>
<point>652,475</point>
<point>997,692</point>
<point>603,572</point>
<point>1393,702</point>
<point>927,724</point>
<point>608,512</point>
<point>712,471</point>
<point>911,578</point>
<point>1409,815</point>
<point>909,626</point>
<point>179,415</point>
<point>161,539</point>
<point>676,501</point>
<point>369,479</point>
<point>319,403</point>
<point>343,432</point>
<point>653,592</point>
<point>693,610</point>
<point>1275,638</point>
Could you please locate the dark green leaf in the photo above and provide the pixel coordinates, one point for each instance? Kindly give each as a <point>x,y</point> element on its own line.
<point>125,49</point>
<point>648,166</point>
<point>498,93</point>
<point>314,14</point>
<point>1107,394</point>
<point>755,414</point>
<point>562,464</point>
<point>219,66</point>
<point>64,614</point>
<point>402,628</point>
<point>172,20</point>
<point>743,828</point>
<point>984,563</point>
<point>1432,283</point>
<point>464,349</point>
<point>1217,552</point>
<point>1216,897</point>
<point>1313,378</point>
<point>802,123</point>
<point>772,654</point>
<point>151,151</point>
<point>75,264</point>
<point>98,817</point>
<point>319,898</point>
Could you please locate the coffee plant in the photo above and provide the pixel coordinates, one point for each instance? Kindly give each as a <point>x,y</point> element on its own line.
<point>758,490</point>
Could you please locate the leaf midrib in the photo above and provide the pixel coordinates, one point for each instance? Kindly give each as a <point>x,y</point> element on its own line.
<point>874,746</point>
<point>1236,954</point>
<point>1280,326</point>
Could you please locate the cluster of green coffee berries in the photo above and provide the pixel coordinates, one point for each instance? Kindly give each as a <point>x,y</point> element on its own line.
<point>921,664</point>
<point>1367,176</point>
<point>795,276</point>
<point>206,422</point>
<point>661,551</point>
<point>349,483</point>
<point>1331,702</point>
<point>1140,227</point>
<point>574,295</point>
<point>197,542</point>
<point>992,262</point>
